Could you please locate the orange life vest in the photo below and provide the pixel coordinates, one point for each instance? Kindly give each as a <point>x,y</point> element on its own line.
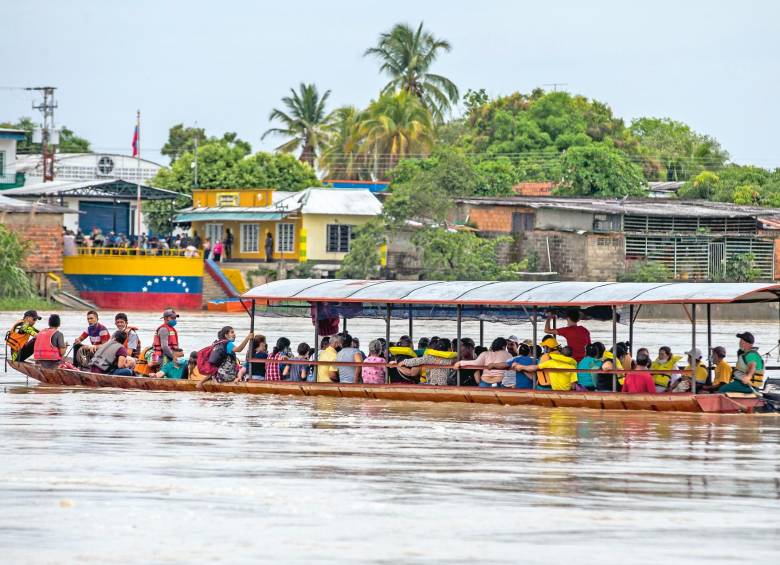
<point>16,339</point>
<point>44,349</point>
<point>173,340</point>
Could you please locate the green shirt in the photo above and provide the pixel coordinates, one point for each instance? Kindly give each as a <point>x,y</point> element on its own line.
<point>174,371</point>
<point>754,357</point>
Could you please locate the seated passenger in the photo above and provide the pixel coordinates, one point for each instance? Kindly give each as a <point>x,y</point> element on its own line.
<point>422,344</point>
<point>683,384</point>
<point>722,368</point>
<point>403,350</point>
<point>223,356</point>
<point>438,354</point>
<point>524,366</point>
<point>111,357</point>
<point>193,373</point>
<point>328,354</point>
<point>49,345</point>
<point>558,380</point>
<point>496,362</point>
<point>591,362</point>
<point>348,354</point>
<point>176,368</point>
<point>640,382</point>
<point>666,362</point>
<point>374,375</point>
<point>259,350</point>
<point>610,381</point>
<point>20,339</point>
<point>295,371</point>
<point>748,373</point>
<point>280,352</point>
<point>467,376</point>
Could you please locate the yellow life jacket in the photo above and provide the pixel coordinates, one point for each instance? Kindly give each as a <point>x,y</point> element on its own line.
<point>441,354</point>
<point>609,357</point>
<point>558,380</point>
<point>661,379</point>
<point>406,351</point>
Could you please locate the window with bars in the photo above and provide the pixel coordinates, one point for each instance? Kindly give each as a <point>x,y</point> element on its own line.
<point>250,238</point>
<point>285,238</point>
<point>339,237</point>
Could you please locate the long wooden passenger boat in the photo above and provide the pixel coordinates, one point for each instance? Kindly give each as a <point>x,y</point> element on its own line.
<point>497,396</point>
<point>459,300</point>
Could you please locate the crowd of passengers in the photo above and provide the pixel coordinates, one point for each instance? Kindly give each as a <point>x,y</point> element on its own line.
<point>578,364</point>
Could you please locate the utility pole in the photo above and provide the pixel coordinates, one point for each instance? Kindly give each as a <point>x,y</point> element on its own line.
<point>49,136</point>
<point>195,184</point>
<point>555,85</point>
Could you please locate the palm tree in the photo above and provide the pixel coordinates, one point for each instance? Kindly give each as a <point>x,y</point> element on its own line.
<point>407,56</point>
<point>396,126</point>
<point>344,158</point>
<point>305,122</point>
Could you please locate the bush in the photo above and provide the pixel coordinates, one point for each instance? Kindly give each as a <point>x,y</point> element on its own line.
<point>646,271</point>
<point>14,282</point>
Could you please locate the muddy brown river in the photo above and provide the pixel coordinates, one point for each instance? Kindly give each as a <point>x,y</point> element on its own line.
<point>110,476</point>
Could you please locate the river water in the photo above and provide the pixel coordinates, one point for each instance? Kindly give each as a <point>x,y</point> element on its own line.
<point>107,476</point>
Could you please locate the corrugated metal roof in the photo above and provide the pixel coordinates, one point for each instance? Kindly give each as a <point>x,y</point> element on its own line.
<point>341,202</point>
<point>512,293</point>
<point>110,188</point>
<point>14,205</point>
<point>637,207</point>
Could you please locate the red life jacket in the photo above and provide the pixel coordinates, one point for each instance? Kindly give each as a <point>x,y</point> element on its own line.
<point>173,340</point>
<point>43,350</point>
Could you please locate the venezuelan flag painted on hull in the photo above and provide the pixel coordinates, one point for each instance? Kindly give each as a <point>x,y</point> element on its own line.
<point>137,282</point>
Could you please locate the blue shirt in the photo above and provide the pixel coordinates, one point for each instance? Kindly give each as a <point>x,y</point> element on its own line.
<point>588,379</point>
<point>521,379</point>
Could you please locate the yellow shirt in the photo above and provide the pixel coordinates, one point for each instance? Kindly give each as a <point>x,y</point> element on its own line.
<point>701,372</point>
<point>722,373</point>
<point>323,370</point>
<point>560,380</point>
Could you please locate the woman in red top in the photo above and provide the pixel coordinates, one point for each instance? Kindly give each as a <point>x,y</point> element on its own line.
<point>636,382</point>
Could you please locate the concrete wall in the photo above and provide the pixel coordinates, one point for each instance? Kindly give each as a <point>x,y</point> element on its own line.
<point>583,257</point>
<point>44,234</point>
<point>403,259</point>
<point>556,219</point>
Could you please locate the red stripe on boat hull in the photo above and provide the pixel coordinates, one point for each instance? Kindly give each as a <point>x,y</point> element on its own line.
<point>144,300</point>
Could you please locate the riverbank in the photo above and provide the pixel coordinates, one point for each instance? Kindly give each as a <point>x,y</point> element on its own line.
<point>22,304</point>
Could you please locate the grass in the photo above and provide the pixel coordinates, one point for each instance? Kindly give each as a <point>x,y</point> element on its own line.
<point>22,304</point>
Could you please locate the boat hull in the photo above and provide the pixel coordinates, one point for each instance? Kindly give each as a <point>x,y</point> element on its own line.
<point>416,393</point>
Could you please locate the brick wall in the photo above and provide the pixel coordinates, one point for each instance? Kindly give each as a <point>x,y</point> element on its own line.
<point>534,188</point>
<point>492,219</point>
<point>44,233</point>
<point>582,257</point>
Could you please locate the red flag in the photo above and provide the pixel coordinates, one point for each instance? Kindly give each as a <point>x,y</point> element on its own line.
<point>135,142</point>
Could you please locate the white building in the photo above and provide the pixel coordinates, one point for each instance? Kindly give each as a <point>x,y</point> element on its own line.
<point>89,166</point>
<point>8,141</point>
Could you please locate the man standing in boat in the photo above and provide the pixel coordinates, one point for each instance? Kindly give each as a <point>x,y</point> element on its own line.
<point>577,337</point>
<point>166,339</point>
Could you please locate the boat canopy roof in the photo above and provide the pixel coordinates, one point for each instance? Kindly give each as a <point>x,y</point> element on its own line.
<point>511,293</point>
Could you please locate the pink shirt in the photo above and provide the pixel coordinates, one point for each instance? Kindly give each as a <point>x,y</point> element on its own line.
<point>639,383</point>
<point>373,375</point>
<point>487,358</point>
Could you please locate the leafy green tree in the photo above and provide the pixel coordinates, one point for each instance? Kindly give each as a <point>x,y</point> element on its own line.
<point>14,282</point>
<point>673,151</point>
<point>738,184</point>
<point>601,171</point>
<point>345,156</point>
<point>407,55</point>
<point>181,139</point>
<point>305,122</point>
<point>363,259</point>
<point>742,268</point>
<point>459,255</point>
<point>475,99</point>
<point>646,271</point>
<point>69,141</point>
<point>497,177</point>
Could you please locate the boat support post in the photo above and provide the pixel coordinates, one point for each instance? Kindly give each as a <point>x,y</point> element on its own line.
<point>411,325</point>
<point>709,342</point>
<point>482,333</point>
<point>614,348</point>
<point>631,330</point>
<point>694,364</point>
<point>316,337</point>
<point>252,345</point>
<point>344,323</point>
<point>387,339</point>
<point>460,321</point>
<point>536,361</point>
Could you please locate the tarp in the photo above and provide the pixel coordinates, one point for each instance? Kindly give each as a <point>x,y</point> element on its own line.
<point>512,293</point>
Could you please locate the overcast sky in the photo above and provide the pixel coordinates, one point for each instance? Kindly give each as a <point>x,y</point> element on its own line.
<point>225,64</point>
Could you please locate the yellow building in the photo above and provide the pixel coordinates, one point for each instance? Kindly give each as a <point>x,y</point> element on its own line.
<point>316,224</point>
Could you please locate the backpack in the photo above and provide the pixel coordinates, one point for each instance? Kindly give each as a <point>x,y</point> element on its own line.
<point>205,366</point>
<point>105,357</point>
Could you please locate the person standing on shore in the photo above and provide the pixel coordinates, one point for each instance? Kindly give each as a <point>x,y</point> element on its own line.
<point>269,248</point>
